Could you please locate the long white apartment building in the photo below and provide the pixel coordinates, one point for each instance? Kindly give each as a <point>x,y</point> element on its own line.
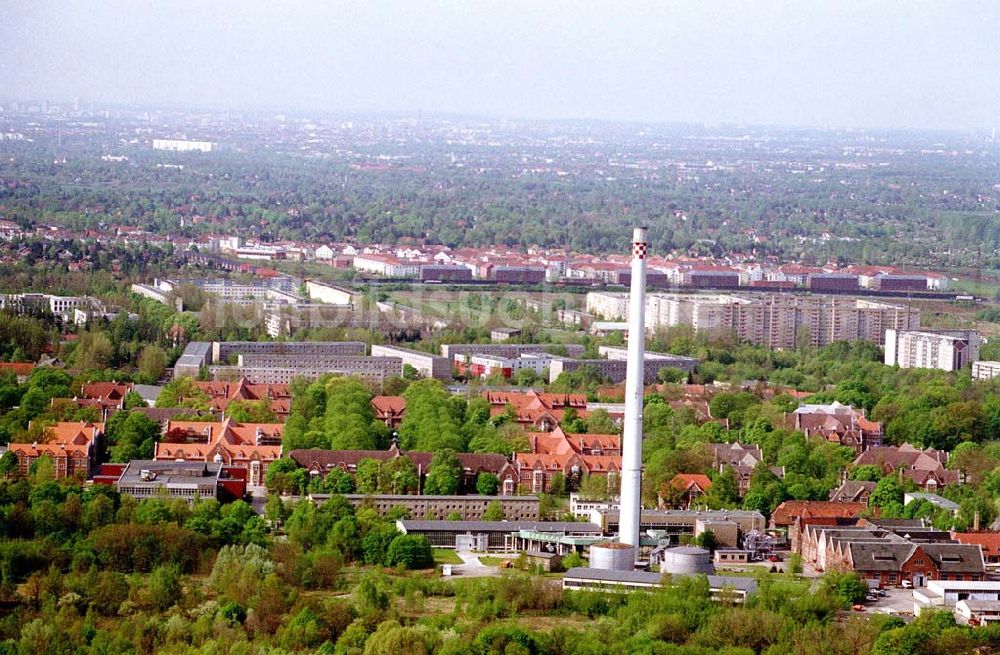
<point>331,294</point>
<point>778,321</point>
<point>985,370</point>
<point>946,350</point>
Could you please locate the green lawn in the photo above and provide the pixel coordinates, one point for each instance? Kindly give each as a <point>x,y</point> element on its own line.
<point>446,556</point>
<point>489,560</point>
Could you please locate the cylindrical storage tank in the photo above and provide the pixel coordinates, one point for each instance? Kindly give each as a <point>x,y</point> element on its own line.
<point>687,560</point>
<point>612,556</point>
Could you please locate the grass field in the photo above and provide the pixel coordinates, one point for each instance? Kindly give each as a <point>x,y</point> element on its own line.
<point>446,556</point>
<point>489,560</point>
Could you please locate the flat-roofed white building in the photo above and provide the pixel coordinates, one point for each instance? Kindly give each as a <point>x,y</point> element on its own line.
<point>977,612</point>
<point>985,370</point>
<point>386,265</point>
<point>946,594</point>
<point>428,365</point>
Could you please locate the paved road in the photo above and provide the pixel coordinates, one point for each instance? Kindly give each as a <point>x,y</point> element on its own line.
<point>471,567</point>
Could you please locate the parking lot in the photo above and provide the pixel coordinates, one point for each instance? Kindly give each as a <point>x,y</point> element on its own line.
<point>896,601</point>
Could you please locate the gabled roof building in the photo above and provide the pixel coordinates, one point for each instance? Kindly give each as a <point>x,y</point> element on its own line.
<point>252,446</point>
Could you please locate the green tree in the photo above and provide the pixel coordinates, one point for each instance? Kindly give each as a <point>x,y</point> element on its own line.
<point>410,552</point>
<point>445,474</point>
<point>430,423</point>
<point>868,472</point>
<point>251,411</point>
<point>131,436</point>
<point>182,392</point>
<point>152,363</point>
<point>494,511</point>
<point>487,484</point>
<point>349,417</point>
<point>888,495</point>
<point>848,587</point>
<point>164,586</point>
<point>93,352</point>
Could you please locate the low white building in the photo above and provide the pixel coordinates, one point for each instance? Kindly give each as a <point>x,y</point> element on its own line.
<point>386,266</point>
<point>985,370</point>
<point>581,507</point>
<point>977,612</point>
<point>946,594</point>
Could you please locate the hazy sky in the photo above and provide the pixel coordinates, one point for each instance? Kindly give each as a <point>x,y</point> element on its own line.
<point>866,63</point>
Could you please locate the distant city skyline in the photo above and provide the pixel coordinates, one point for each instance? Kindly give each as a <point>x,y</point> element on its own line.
<point>844,64</point>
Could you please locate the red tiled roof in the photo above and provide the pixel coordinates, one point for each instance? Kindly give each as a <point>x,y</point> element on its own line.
<point>684,481</point>
<point>17,368</point>
<point>989,541</point>
<point>788,511</point>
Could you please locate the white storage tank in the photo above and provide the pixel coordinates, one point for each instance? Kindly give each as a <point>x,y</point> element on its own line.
<point>687,560</point>
<point>612,556</point>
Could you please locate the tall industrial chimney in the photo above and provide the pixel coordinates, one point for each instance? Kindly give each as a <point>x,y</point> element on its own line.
<point>631,503</point>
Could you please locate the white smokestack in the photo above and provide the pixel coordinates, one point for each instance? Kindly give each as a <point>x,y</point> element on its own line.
<point>631,503</point>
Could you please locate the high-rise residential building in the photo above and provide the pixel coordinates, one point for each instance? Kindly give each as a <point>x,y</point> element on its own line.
<point>781,321</point>
<point>946,350</point>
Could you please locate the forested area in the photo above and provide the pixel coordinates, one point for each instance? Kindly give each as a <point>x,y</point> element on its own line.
<point>553,185</point>
<point>85,570</point>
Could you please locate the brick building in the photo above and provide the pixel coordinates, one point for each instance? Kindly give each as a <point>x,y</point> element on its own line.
<point>926,468</point>
<point>250,446</point>
<point>74,447</point>
<point>574,456</point>
<point>837,423</point>
<point>221,394</point>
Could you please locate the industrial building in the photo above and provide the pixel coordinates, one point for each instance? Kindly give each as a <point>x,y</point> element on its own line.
<point>519,274</point>
<point>445,273</point>
<point>188,481</point>
<point>728,525</point>
<point>469,508</point>
<point>493,536</point>
<point>733,589</point>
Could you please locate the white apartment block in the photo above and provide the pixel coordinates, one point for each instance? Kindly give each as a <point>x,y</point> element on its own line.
<point>946,350</point>
<point>427,364</point>
<point>610,306</point>
<point>182,145</point>
<point>985,370</point>
<point>781,321</point>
